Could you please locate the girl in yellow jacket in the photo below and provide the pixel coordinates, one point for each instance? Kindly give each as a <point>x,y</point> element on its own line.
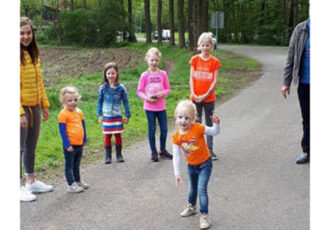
<point>33,98</point>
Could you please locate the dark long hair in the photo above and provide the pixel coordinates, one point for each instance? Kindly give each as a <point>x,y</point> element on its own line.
<point>32,49</point>
<point>106,68</point>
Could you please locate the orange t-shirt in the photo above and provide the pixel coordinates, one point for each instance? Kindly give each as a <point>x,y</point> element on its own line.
<point>193,144</point>
<point>74,127</point>
<point>203,75</point>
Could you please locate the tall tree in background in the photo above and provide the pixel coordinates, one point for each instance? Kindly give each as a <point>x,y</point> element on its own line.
<point>148,21</point>
<point>182,42</point>
<point>204,25</point>
<point>171,21</point>
<point>191,25</point>
<point>293,15</point>
<point>159,21</point>
<point>197,19</point>
<point>72,5</point>
<point>131,34</point>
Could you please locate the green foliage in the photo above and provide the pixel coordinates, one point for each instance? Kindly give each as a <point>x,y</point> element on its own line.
<point>31,8</point>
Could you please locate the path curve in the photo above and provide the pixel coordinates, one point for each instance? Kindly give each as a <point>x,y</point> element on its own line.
<point>254,185</point>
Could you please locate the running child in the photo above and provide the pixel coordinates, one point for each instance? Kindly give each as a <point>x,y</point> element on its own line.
<point>204,74</point>
<point>153,87</point>
<point>189,138</point>
<point>111,95</point>
<point>73,132</point>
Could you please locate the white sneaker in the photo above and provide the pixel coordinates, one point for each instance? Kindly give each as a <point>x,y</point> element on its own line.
<point>83,185</point>
<point>26,195</point>
<point>204,222</point>
<point>74,188</point>
<point>38,187</point>
<point>188,211</point>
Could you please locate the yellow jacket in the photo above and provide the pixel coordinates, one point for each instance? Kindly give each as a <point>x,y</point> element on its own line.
<point>32,87</point>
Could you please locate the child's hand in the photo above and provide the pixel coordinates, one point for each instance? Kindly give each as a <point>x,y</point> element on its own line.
<point>215,118</point>
<point>178,179</point>
<point>158,95</point>
<point>100,119</point>
<point>70,149</point>
<point>125,120</point>
<point>151,100</point>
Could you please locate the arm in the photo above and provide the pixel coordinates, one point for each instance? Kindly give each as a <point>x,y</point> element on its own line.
<point>212,86</point>
<point>215,129</point>
<point>44,99</point>
<point>85,133</point>
<point>176,163</point>
<point>167,88</point>
<point>141,87</point>
<point>126,103</point>
<point>191,84</point>
<point>65,139</point>
<point>100,98</point>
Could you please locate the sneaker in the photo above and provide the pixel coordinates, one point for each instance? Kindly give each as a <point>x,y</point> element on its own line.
<point>165,155</point>
<point>26,195</point>
<point>188,211</point>
<point>204,222</point>
<point>214,156</point>
<point>74,188</point>
<point>154,157</point>
<point>83,185</point>
<point>302,158</point>
<point>38,187</point>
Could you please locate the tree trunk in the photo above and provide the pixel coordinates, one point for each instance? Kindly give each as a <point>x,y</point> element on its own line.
<point>293,15</point>
<point>85,4</point>
<point>182,42</point>
<point>171,22</point>
<point>204,25</point>
<point>131,34</point>
<point>159,21</point>
<point>72,3</point>
<point>191,30</point>
<point>148,21</point>
<point>196,17</point>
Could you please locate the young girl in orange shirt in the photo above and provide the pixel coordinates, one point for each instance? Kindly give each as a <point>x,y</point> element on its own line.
<point>189,137</point>
<point>204,73</point>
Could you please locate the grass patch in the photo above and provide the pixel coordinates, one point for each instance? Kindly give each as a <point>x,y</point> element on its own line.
<point>236,72</point>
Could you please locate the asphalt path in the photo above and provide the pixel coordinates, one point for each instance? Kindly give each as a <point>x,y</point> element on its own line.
<point>255,184</point>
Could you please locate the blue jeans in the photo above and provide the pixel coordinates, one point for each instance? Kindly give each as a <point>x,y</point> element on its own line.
<point>162,120</point>
<point>72,164</point>
<point>199,176</point>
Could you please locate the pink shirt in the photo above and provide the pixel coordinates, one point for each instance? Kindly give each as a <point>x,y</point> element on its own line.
<point>151,84</point>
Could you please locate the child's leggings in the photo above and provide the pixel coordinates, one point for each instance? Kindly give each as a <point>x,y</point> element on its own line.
<point>107,139</point>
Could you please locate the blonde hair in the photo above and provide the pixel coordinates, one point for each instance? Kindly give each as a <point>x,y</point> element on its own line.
<point>187,107</point>
<point>151,51</point>
<point>68,90</point>
<point>205,37</point>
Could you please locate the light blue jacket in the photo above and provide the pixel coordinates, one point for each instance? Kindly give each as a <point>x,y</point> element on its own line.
<point>109,101</point>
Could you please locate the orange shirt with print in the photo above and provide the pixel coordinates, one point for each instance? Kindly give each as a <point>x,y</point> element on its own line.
<point>193,144</point>
<point>74,127</point>
<point>203,75</point>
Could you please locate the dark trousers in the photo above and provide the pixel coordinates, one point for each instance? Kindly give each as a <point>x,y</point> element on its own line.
<point>209,109</point>
<point>304,101</point>
<point>72,164</point>
<point>162,120</point>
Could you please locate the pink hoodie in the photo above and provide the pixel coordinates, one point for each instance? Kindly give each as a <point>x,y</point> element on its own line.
<point>151,84</point>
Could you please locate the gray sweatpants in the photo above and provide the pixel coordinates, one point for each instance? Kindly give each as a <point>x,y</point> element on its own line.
<point>29,139</point>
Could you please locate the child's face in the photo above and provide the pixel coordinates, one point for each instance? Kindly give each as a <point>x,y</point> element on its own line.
<point>111,75</point>
<point>153,61</point>
<point>26,35</point>
<point>184,120</point>
<point>205,47</point>
<point>70,101</point>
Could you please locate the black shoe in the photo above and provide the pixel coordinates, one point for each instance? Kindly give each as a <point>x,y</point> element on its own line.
<point>302,158</point>
<point>154,157</point>
<point>118,154</point>
<point>165,155</point>
<point>214,157</point>
<point>107,159</point>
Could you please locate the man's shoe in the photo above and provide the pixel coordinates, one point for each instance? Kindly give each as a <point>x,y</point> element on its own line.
<point>74,188</point>
<point>38,187</point>
<point>26,195</point>
<point>154,157</point>
<point>214,156</point>
<point>165,155</point>
<point>188,211</point>
<point>303,158</point>
<point>204,222</point>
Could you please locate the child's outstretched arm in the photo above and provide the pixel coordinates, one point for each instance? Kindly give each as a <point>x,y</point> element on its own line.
<point>215,129</point>
<point>176,164</point>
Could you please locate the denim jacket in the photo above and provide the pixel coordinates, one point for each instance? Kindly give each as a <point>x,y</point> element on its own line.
<point>296,48</point>
<point>109,101</point>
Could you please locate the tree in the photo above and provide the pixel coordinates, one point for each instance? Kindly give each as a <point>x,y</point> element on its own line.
<point>30,8</point>
<point>182,42</point>
<point>191,25</point>
<point>148,21</point>
<point>159,21</point>
<point>204,11</point>
<point>131,34</point>
<point>171,22</point>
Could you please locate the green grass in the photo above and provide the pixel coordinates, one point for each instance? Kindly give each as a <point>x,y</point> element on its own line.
<point>49,150</point>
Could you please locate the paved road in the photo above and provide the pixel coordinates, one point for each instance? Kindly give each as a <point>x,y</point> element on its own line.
<point>255,184</point>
